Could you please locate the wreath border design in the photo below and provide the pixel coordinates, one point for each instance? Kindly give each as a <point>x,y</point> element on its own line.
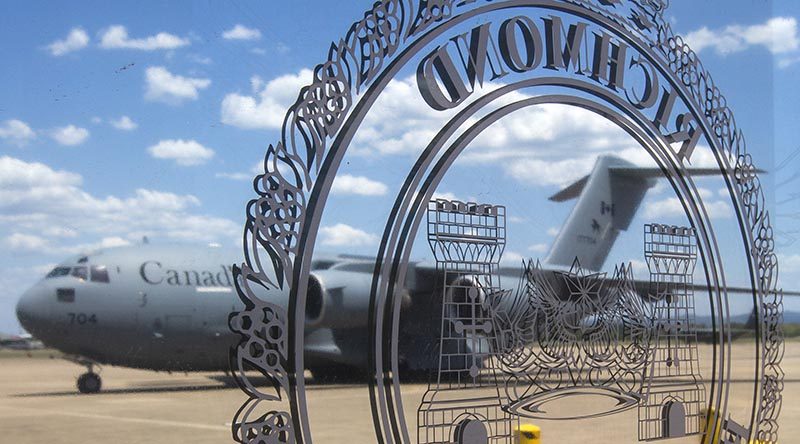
<point>274,219</point>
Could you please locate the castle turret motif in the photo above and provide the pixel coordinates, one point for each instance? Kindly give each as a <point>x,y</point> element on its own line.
<point>463,405</point>
<point>674,395</point>
<point>562,334</point>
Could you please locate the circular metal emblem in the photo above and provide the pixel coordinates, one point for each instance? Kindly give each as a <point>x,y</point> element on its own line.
<point>569,341</point>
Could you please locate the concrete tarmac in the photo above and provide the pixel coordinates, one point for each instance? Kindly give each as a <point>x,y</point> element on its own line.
<point>39,403</point>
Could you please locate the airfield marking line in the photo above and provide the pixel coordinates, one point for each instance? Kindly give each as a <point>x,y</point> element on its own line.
<point>161,422</point>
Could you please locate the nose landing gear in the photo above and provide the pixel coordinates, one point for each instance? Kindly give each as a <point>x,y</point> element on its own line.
<point>89,382</point>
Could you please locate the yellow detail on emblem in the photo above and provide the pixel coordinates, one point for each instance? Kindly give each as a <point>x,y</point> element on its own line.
<point>711,416</point>
<point>529,434</point>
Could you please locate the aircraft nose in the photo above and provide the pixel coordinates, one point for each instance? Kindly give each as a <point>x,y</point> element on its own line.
<point>30,309</point>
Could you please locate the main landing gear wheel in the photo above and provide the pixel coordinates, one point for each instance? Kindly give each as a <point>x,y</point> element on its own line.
<point>89,382</point>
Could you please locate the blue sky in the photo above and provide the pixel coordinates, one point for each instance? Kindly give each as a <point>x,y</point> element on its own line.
<point>115,124</point>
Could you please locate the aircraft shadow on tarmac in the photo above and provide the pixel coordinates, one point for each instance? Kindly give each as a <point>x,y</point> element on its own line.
<point>225,382</point>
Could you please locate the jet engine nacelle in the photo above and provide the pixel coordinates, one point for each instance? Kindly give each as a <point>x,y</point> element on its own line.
<point>466,299</point>
<point>338,299</point>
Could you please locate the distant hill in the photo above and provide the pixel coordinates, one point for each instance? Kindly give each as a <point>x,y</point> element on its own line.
<point>789,317</point>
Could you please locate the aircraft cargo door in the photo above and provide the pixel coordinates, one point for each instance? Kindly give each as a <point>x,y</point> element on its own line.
<point>213,305</point>
<point>165,322</point>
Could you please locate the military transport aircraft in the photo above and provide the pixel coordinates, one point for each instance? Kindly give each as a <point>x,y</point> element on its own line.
<point>166,307</point>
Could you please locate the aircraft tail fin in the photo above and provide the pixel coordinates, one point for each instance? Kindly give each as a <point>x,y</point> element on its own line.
<point>608,199</point>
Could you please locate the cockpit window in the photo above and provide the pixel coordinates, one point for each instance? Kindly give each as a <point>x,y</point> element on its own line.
<point>58,272</point>
<point>80,272</point>
<point>99,273</point>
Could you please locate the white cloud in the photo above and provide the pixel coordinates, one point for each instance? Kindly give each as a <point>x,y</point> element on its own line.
<point>671,207</point>
<point>256,169</point>
<point>70,135</point>
<point>26,242</point>
<point>552,144</point>
<point>36,244</point>
<point>359,185</point>
<point>535,145</point>
<point>34,198</point>
<point>235,176</point>
<point>116,37</point>
<point>544,146</point>
<point>109,242</point>
<point>778,35</point>
<point>106,242</point>
<point>203,60</point>
<point>548,166</point>
<point>539,248</point>
<point>446,195</point>
<point>718,209</point>
<point>789,277</point>
<point>184,152</point>
<point>553,231</point>
<point>705,38</point>
<point>398,122</point>
<point>340,235</point>
<point>511,258</point>
<point>163,86</point>
<point>786,62</point>
<point>241,32</point>
<point>124,123</point>
<point>267,106</point>
<point>550,172</point>
<point>16,132</point>
<point>161,201</point>
<point>59,231</point>
<point>640,267</point>
<point>75,40</point>
<point>18,174</point>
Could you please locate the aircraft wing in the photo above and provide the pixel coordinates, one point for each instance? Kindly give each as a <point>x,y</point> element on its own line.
<point>643,287</point>
<point>340,292</point>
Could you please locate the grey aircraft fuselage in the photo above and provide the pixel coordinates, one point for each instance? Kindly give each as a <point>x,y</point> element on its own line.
<point>147,306</point>
<point>166,307</point>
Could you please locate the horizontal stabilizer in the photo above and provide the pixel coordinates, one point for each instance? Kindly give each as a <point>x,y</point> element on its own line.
<point>574,190</point>
<point>656,173</point>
